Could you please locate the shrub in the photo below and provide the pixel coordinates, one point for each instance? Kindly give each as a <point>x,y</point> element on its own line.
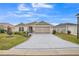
<point>16,32</point>
<point>21,33</point>
<point>54,31</point>
<point>68,32</point>
<point>2,31</point>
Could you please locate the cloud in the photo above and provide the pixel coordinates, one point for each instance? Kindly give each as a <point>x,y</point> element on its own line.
<point>17,17</point>
<point>20,15</point>
<point>22,7</point>
<point>41,5</point>
<point>54,23</point>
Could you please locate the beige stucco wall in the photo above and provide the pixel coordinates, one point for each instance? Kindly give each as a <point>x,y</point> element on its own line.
<point>25,28</point>
<point>60,29</point>
<point>51,29</point>
<point>16,29</point>
<point>73,29</point>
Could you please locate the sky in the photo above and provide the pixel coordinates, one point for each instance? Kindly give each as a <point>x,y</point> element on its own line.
<point>53,13</point>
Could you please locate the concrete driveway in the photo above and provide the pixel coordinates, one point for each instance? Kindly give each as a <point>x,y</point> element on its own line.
<point>45,41</point>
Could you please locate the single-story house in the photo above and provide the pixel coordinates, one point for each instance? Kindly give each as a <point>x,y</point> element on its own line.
<point>64,27</point>
<point>35,27</point>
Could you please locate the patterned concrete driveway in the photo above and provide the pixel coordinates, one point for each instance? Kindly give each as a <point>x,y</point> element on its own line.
<point>45,41</point>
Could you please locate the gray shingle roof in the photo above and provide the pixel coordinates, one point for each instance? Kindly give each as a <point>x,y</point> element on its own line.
<point>42,23</point>
<point>32,23</point>
<point>21,24</point>
<point>66,24</point>
<point>38,23</point>
<point>5,24</point>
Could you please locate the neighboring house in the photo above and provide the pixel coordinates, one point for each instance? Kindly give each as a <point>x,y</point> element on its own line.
<point>35,27</point>
<point>6,25</point>
<point>64,27</point>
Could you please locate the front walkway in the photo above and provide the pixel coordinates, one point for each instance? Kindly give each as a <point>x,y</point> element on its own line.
<point>45,41</point>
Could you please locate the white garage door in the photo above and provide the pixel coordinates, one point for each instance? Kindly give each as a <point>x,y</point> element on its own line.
<point>42,30</point>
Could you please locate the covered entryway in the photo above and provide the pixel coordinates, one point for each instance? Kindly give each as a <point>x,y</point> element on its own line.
<point>30,29</point>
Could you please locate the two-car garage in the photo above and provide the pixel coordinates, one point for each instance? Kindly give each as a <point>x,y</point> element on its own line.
<point>42,29</point>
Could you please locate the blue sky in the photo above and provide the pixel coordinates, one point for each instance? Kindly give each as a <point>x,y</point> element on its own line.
<point>53,13</point>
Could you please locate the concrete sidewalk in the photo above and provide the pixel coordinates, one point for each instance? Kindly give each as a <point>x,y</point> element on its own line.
<point>52,52</point>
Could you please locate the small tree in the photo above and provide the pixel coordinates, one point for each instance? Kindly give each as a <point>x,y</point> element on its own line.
<point>9,31</point>
<point>68,32</point>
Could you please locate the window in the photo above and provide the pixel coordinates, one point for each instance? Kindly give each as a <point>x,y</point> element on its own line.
<point>21,28</point>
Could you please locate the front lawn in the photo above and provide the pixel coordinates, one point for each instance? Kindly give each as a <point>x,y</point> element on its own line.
<point>7,42</point>
<point>71,38</point>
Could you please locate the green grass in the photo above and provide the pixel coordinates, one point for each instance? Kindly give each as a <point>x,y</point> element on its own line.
<point>7,42</point>
<point>71,38</point>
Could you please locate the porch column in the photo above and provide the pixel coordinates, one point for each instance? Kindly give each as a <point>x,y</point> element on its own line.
<point>77,25</point>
